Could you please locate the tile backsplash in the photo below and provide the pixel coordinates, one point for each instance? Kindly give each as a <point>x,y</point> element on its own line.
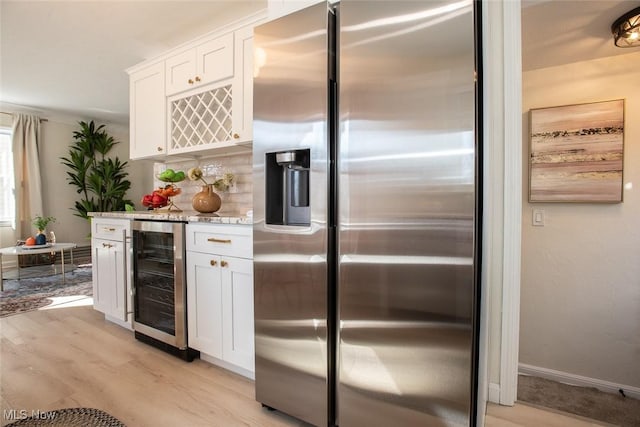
<point>236,201</point>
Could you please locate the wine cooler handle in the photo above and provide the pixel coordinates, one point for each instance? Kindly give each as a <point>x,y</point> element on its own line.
<point>126,282</point>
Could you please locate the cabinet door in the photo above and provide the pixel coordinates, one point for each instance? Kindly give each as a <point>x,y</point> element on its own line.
<point>214,59</point>
<point>110,278</point>
<point>237,311</point>
<point>243,86</point>
<point>207,62</point>
<point>204,303</point>
<point>180,72</point>
<point>147,133</point>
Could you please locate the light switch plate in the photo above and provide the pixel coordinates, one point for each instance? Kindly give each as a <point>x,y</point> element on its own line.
<point>537,218</point>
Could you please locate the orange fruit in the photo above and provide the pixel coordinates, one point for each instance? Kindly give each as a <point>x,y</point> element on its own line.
<point>30,241</point>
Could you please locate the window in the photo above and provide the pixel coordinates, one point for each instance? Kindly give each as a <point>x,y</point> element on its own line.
<point>7,188</point>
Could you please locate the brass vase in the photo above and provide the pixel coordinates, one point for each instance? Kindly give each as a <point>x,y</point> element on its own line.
<point>206,201</point>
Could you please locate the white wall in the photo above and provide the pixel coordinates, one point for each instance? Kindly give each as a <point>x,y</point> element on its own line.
<point>140,171</point>
<point>58,195</point>
<point>580,295</point>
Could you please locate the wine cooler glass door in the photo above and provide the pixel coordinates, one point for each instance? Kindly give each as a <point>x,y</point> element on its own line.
<point>159,298</point>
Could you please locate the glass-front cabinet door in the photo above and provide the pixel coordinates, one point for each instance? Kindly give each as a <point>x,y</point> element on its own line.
<point>154,278</point>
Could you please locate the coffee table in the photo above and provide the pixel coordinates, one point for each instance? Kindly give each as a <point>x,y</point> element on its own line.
<point>22,250</point>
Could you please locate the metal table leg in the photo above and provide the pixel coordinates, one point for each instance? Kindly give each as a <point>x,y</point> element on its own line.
<point>62,260</point>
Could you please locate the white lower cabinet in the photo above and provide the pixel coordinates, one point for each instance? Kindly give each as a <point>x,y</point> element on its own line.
<point>237,312</point>
<point>220,294</point>
<point>110,267</point>
<point>204,303</point>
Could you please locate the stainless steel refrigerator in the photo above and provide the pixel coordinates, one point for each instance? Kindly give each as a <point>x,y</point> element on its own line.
<point>366,225</point>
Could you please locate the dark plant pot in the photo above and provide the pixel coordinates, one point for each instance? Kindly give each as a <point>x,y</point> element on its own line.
<point>41,239</point>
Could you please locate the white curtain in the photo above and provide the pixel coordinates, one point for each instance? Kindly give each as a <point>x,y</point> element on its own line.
<point>26,166</point>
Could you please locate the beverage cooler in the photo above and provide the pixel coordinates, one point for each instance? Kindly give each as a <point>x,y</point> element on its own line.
<point>160,316</point>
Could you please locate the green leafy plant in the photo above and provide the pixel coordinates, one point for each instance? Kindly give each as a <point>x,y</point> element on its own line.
<point>41,222</point>
<point>99,179</point>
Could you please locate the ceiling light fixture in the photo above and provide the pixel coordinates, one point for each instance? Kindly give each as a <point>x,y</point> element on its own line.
<point>626,29</point>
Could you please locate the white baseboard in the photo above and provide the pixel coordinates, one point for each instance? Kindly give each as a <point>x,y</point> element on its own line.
<point>578,380</point>
<point>494,393</point>
<point>228,366</point>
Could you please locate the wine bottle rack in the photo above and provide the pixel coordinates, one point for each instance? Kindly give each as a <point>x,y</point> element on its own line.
<point>201,119</point>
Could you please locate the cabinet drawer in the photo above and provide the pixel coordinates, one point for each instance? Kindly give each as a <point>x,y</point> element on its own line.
<point>231,240</point>
<point>110,229</point>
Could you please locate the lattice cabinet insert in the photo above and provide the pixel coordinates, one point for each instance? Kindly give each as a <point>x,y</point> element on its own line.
<point>202,120</point>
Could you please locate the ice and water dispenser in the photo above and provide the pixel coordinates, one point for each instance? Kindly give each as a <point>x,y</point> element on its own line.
<point>287,181</point>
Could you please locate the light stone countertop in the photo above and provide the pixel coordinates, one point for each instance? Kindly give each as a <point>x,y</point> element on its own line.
<point>188,216</point>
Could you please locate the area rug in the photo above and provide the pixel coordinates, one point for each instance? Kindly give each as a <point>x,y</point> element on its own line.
<point>584,401</point>
<point>32,294</point>
<point>71,417</point>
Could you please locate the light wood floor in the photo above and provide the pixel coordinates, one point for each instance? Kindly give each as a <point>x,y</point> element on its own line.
<point>72,357</point>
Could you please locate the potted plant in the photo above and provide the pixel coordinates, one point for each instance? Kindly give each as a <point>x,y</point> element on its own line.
<point>100,180</point>
<point>40,223</point>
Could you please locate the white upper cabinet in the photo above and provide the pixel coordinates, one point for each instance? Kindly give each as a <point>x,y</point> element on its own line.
<point>217,112</point>
<point>147,133</point>
<point>205,63</point>
<point>278,8</point>
<point>180,72</point>
<point>198,99</point>
<point>243,86</point>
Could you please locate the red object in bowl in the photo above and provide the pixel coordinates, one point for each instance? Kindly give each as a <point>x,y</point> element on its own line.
<point>155,200</point>
<point>158,200</point>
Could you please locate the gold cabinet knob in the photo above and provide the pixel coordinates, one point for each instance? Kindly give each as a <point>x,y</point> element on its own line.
<point>213,262</point>
<point>159,148</point>
<point>236,136</point>
<point>197,78</point>
<point>224,264</point>
<point>190,81</point>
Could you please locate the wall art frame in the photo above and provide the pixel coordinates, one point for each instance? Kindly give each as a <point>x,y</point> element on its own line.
<point>576,153</point>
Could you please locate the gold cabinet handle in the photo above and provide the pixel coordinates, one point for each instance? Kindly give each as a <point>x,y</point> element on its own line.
<point>236,136</point>
<point>190,81</point>
<point>108,229</point>
<point>224,263</point>
<point>197,78</point>
<point>159,148</point>
<point>214,240</point>
<point>107,245</point>
<point>213,263</point>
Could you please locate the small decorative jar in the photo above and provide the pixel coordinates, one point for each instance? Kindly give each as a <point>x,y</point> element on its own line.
<point>207,200</point>
<point>41,238</point>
